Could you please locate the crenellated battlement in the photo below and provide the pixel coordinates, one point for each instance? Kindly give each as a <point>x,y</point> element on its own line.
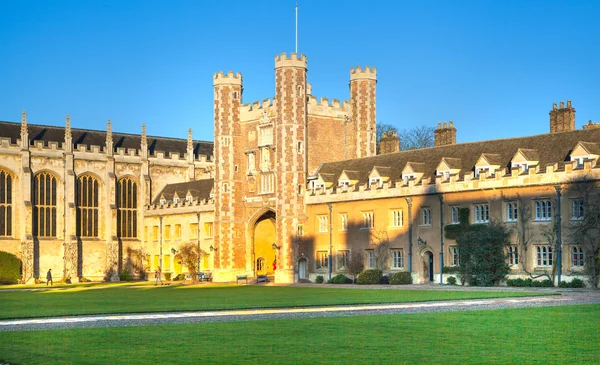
<point>254,110</point>
<point>359,73</point>
<point>282,60</point>
<point>230,78</point>
<point>323,107</point>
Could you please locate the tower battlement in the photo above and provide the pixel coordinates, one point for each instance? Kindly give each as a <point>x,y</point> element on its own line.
<point>359,73</point>
<point>230,78</point>
<point>294,60</point>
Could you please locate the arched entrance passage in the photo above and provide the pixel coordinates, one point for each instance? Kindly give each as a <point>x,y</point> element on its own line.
<point>262,241</point>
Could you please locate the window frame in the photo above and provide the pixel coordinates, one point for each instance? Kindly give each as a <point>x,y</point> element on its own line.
<point>481,213</point>
<point>577,209</point>
<point>425,216</point>
<point>342,259</point>
<point>454,256</point>
<point>512,253</point>
<point>6,204</point>
<point>396,218</point>
<point>343,222</point>
<point>397,255</point>
<point>544,256</point>
<point>127,210</point>
<point>368,220</point>
<point>455,214</point>
<point>577,257</point>
<point>511,212</point>
<point>45,204</point>
<point>322,223</point>
<point>543,210</point>
<point>322,261</point>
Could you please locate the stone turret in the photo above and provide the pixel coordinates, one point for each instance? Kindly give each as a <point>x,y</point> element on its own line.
<point>24,132</point>
<point>562,119</point>
<point>68,135</point>
<point>109,139</point>
<point>363,102</point>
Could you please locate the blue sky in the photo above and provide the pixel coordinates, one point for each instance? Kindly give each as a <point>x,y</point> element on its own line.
<point>493,67</point>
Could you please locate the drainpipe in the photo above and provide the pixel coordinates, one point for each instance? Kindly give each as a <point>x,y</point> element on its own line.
<point>409,202</point>
<point>160,258</point>
<point>441,238</point>
<point>558,195</point>
<point>330,263</point>
<point>199,251</point>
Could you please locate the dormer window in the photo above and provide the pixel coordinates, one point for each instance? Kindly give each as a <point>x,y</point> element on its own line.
<point>479,170</point>
<point>523,166</point>
<point>163,201</point>
<point>445,175</point>
<point>579,161</point>
<point>315,184</point>
<point>189,198</point>
<point>175,200</point>
<point>344,184</point>
<point>375,181</point>
<point>407,177</point>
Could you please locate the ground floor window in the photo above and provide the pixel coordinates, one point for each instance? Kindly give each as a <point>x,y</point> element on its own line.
<point>343,259</point>
<point>454,256</point>
<point>513,255</point>
<point>544,255</point>
<point>577,256</point>
<point>322,260</point>
<point>397,259</point>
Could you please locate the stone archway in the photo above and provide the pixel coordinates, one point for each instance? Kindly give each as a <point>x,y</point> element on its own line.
<point>263,238</point>
<point>427,266</point>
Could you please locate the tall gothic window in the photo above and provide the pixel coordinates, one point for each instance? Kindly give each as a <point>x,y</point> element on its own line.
<point>87,206</point>
<point>5,203</point>
<point>127,208</point>
<point>44,205</point>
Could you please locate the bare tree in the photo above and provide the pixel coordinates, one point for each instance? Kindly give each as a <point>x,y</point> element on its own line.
<point>584,228</point>
<point>190,256</point>
<point>381,251</point>
<point>356,263</point>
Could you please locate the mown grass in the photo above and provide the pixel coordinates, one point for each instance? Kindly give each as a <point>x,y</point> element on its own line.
<point>551,335</point>
<point>97,300</point>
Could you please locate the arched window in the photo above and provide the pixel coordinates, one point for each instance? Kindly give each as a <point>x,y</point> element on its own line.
<point>5,203</point>
<point>87,206</point>
<point>127,208</point>
<point>44,205</point>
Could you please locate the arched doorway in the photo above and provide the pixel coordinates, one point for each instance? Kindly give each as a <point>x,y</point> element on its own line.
<point>263,240</point>
<point>302,269</point>
<point>428,266</point>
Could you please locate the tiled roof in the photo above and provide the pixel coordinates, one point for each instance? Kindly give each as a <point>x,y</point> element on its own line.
<point>98,138</point>
<point>530,155</point>
<point>200,190</point>
<point>593,148</point>
<point>552,148</point>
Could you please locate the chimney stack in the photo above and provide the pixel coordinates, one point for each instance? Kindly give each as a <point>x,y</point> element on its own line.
<point>591,125</point>
<point>390,142</point>
<point>445,134</point>
<point>562,119</point>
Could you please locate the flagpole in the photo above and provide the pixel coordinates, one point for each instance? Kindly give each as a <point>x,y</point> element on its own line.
<point>296,28</point>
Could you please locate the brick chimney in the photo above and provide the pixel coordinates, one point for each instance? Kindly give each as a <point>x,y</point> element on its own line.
<point>562,119</point>
<point>390,142</point>
<point>445,134</point>
<point>591,125</point>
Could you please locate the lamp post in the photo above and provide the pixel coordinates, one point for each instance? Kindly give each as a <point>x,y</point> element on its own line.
<point>558,195</point>
<point>160,254</point>
<point>441,239</point>
<point>199,251</point>
<point>330,261</point>
<point>409,202</point>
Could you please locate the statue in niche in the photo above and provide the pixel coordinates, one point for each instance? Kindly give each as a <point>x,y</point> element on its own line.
<point>251,163</point>
<point>266,159</point>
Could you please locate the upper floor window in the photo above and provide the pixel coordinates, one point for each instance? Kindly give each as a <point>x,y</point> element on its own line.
<point>193,230</point>
<point>398,259</point>
<point>175,200</point>
<point>323,221</point>
<point>6,182</point>
<point>127,208</point>
<point>482,213</point>
<point>578,258</point>
<point>455,217</point>
<point>577,209</point>
<point>44,205</point>
<point>208,230</point>
<point>445,175</point>
<point>512,212</point>
<point>177,233</point>
<point>87,206</point>
<point>579,161</point>
<point>425,216</point>
<point>396,218</point>
<point>544,255</point>
<point>300,230</point>
<point>543,210</point>
<point>343,222</point>
<point>368,220</point>
<point>265,136</point>
<point>407,177</point>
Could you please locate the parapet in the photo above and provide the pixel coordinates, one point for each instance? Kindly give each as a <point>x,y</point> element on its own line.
<point>369,73</point>
<point>322,107</point>
<point>293,60</point>
<point>230,78</point>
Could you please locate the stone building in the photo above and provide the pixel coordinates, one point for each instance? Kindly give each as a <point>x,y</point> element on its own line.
<point>290,186</point>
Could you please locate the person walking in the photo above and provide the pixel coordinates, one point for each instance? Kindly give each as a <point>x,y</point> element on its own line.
<point>49,277</point>
<point>158,276</point>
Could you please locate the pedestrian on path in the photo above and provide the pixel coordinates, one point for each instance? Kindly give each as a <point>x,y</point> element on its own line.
<point>158,276</point>
<point>49,277</point>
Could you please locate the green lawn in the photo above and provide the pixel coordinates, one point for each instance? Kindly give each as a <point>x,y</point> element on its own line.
<point>95,300</point>
<point>553,335</point>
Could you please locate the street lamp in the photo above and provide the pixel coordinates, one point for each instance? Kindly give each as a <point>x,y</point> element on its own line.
<point>558,195</point>
<point>409,202</point>
<point>330,261</point>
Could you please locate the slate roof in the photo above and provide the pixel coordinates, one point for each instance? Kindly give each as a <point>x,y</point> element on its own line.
<point>98,138</point>
<point>200,190</point>
<point>552,148</point>
<point>593,148</point>
<point>529,154</point>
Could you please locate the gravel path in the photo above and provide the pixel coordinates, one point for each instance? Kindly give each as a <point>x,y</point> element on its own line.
<point>566,298</point>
